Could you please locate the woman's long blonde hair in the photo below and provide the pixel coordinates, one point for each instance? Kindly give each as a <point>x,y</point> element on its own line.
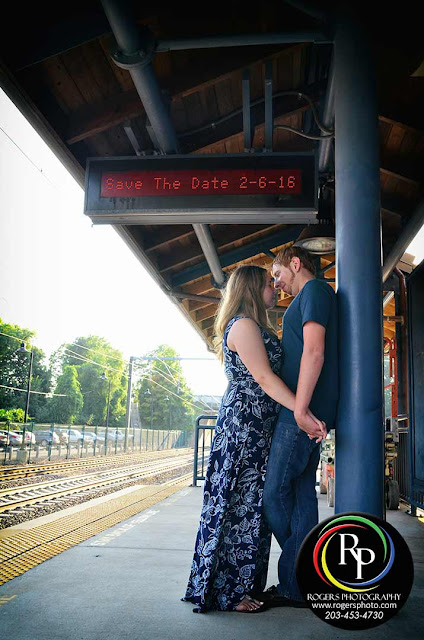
<point>243,296</point>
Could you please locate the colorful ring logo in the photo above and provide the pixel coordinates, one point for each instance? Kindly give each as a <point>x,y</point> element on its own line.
<point>326,535</point>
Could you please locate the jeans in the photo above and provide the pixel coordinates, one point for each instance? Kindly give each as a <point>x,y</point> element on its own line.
<point>290,499</point>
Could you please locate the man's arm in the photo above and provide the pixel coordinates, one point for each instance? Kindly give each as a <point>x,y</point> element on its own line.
<point>310,369</point>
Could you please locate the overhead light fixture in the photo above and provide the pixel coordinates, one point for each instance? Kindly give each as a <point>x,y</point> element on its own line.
<point>319,239</point>
<point>22,348</point>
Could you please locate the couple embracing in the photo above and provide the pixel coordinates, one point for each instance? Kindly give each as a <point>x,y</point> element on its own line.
<point>279,404</point>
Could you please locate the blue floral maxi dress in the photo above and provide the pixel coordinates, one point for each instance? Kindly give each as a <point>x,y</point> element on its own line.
<point>233,540</point>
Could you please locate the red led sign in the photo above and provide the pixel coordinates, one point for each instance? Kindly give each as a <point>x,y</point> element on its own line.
<point>133,184</point>
<point>205,188</point>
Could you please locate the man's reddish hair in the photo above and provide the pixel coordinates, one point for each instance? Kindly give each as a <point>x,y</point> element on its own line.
<point>285,256</point>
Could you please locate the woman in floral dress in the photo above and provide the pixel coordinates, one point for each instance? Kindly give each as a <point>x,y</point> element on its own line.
<point>233,540</point>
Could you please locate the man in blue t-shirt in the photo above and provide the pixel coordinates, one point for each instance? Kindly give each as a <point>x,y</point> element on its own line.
<point>310,370</point>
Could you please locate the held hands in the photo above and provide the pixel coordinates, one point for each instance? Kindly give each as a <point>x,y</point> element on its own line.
<point>311,425</point>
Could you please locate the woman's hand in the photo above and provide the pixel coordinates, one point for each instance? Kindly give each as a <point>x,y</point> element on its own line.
<point>309,423</point>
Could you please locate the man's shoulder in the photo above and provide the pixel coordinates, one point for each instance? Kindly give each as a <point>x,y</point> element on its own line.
<point>317,287</point>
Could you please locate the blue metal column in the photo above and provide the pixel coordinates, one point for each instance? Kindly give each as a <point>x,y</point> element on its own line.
<point>135,54</point>
<point>359,432</point>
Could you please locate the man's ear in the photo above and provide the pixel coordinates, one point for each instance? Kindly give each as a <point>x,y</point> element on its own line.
<point>295,261</point>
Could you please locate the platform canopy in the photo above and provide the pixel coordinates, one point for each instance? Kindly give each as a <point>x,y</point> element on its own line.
<point>62,68</point>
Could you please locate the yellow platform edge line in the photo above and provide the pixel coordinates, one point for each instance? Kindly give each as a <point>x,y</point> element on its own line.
<point>11,567</point>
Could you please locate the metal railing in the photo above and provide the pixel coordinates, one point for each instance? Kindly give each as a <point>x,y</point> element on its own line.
<point>54,441</point>
<point>402,471</point>
<point>401,467</point>
<point>201,428</point>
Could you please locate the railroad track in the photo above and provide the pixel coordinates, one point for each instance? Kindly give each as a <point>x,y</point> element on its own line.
<point>51,492</point>
<point>14,473</point>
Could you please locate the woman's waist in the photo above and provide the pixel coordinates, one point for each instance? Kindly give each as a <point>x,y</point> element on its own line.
<point>243,385</point>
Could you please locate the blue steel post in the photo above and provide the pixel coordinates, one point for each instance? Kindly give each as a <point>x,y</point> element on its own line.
<point>359,433</point>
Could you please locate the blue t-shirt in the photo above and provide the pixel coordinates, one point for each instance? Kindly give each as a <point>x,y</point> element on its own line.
<point>315,302</point>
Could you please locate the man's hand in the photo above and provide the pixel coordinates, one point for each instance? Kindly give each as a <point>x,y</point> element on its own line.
<point>309,423</point>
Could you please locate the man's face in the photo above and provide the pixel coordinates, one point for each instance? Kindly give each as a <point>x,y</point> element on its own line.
<point>269,294</point>
<point>284,278</point>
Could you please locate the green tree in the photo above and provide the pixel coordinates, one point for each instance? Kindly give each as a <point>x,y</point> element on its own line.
<point>163,395</point>
<point>14,415</point>
<point>69,400</point>
<point>14,370</point>
<point>91,356</point>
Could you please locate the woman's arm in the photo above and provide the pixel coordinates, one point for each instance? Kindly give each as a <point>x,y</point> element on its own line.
<point>245,338</point>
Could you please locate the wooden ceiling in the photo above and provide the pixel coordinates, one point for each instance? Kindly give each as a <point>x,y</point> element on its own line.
<point>58,69</point>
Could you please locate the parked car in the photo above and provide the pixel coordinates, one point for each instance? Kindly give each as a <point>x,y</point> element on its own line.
<point>29,437</point>
<point>45,436</point>
<point>98,438</point>
<point>10,437</point>
<point>115,434</point>
<point>75,436</point>
<point>4,439</point>
<point>63,436</point>
<point>112,435</point>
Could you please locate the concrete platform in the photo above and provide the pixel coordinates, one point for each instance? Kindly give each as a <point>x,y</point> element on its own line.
<point>126,583</point>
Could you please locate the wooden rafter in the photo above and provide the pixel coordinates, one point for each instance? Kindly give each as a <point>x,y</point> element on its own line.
<point>225,239</point>
<point>90,119</point>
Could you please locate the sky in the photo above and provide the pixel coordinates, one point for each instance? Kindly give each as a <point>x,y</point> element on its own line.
<point>63,277</point>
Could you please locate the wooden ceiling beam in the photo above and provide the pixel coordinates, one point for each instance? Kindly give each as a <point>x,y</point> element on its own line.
<point>206,324</point>
<point>393,203</point>
<point>416,132</point>
<point>159,237</point>
<point>410,166</point>
<point>165,236</point>
<point>195,306</point>
<point>91,119</point>
<point>202,286</point>
<point>398,176</point>
<point>210,311</point>
<point>206,312</point>
<point>246,252</point>
<point>197,298</point>
<point>225,237</point>
<point>232,133</point>
<point>388,331</point>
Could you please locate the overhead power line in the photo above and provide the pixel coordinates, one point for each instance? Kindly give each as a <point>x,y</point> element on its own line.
<point>169,378</point>
<point>43,393</point>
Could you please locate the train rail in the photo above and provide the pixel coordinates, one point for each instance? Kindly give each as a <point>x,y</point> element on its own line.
<point>27,497</point>
<point>13,473</point>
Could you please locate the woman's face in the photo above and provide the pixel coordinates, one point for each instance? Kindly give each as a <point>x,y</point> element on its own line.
<point>269,292</point>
